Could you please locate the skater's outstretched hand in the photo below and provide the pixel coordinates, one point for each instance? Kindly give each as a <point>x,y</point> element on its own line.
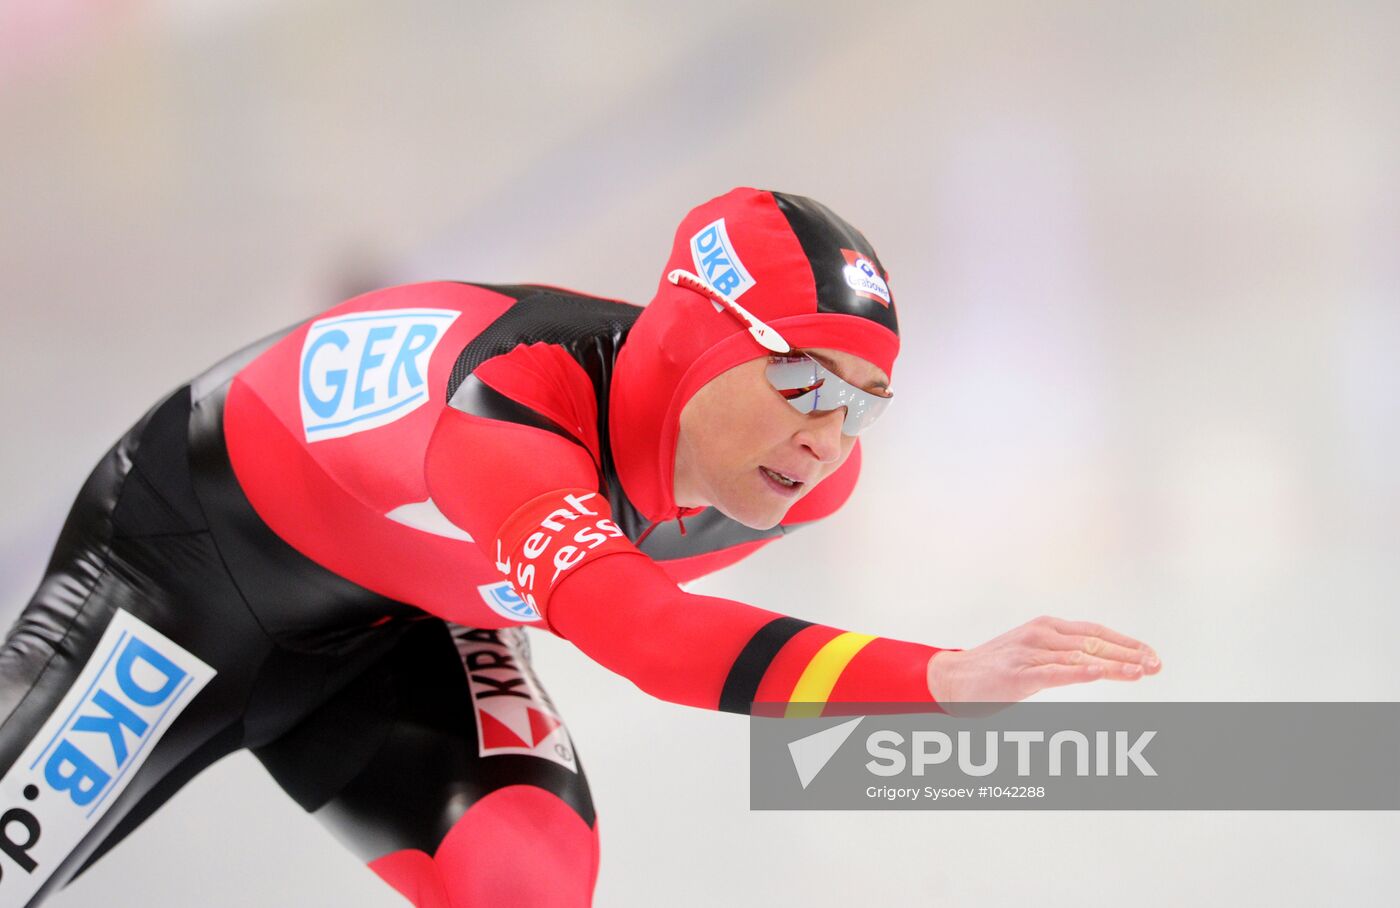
<point>1044,652</point>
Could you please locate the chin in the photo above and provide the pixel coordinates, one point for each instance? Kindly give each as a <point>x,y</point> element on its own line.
<point>755,517</point>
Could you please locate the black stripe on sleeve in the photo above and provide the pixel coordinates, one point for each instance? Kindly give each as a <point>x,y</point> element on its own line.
<point>741,686</point>
<point>476,397</point>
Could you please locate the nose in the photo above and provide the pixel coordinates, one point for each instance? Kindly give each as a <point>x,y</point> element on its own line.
<point>821,434</point>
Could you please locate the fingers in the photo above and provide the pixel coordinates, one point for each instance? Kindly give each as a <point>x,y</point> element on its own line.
<point>1058,674</point>
<point>1099,641</point>
<point>1098,648</point>
<point>1090,629</point>
<point>1114,669</point>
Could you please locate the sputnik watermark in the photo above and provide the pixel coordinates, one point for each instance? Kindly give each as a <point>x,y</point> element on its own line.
<point>1081,756</point>
<point>931,748</point>
<point>810,754</point>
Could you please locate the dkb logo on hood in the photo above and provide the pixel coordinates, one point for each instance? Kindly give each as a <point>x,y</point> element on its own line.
<point>717,263</point>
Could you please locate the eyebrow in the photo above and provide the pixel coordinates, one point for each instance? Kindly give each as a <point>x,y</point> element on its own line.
<point>826,361</point>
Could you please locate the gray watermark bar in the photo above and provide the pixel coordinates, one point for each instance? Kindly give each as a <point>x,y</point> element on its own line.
<point>1077,756</point>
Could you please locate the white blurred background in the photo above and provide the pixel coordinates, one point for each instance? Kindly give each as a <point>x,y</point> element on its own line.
<point>1146,261</point>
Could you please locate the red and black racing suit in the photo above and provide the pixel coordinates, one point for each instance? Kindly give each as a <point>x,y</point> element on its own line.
<point>302,552</point>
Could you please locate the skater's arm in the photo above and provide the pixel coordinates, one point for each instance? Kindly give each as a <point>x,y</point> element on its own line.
<point>595,589</point>
<point>524,485</point>
<point>528,495</point>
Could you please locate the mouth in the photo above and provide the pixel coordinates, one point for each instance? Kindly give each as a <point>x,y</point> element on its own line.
<point>783,484</point>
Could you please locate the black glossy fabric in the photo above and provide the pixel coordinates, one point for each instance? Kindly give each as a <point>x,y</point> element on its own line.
<point>314,673</point>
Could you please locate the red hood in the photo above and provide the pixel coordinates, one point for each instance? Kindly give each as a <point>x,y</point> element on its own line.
<point>793,256</point>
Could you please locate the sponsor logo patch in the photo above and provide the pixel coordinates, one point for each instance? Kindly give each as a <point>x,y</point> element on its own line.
<point>513,715</point>
<point>716,261</point>
<point>506,602</point>
<point>551,535</point>
<point>125,699</point>
<point>363,370</point>
<point>863,277</point>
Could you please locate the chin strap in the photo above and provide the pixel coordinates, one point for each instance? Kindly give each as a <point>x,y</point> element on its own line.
<point>680,522</point>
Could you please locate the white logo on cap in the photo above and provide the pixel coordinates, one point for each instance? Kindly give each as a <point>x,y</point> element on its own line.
<point>862,277</point>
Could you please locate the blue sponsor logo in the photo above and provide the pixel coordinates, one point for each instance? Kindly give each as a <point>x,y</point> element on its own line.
<point>716,261</point>
<point>118,715</point>
<point>367,369</point>
<point>504,601</point>
<point>127,696</point>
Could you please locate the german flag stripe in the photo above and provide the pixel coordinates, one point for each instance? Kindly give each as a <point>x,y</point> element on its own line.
<point>741,685</point>
<point>822,673</point>
<point>786,667</point>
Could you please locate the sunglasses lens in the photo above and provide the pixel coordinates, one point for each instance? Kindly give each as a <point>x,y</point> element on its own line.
<point>810,387</point>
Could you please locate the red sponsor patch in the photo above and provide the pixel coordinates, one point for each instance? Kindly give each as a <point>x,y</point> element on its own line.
<point>865,278</point>
<point>513,714</point>
<point>550,536</point>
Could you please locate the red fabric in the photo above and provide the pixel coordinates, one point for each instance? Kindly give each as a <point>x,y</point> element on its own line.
<point>382,468</point>
<point>629,617</point>
<point>323,519</point>
<point>788,665</point>
<point>518,845</point>
<point>680,341</point>
<point>329,499</point>
<point>480,471</point>
<point>415,876</point>
<point>886,671</point>
<point>547,380</point>
<point>498,480</point>
<point>553,534</point>
<point>330,496</point>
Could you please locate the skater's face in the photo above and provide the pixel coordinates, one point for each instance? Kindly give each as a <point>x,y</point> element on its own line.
<point>744,450</point>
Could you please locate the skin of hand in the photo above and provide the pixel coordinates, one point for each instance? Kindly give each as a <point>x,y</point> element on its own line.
<point>1044,652</point>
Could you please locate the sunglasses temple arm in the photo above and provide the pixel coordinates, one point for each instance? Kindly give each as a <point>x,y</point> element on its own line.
<point>766,335</point>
